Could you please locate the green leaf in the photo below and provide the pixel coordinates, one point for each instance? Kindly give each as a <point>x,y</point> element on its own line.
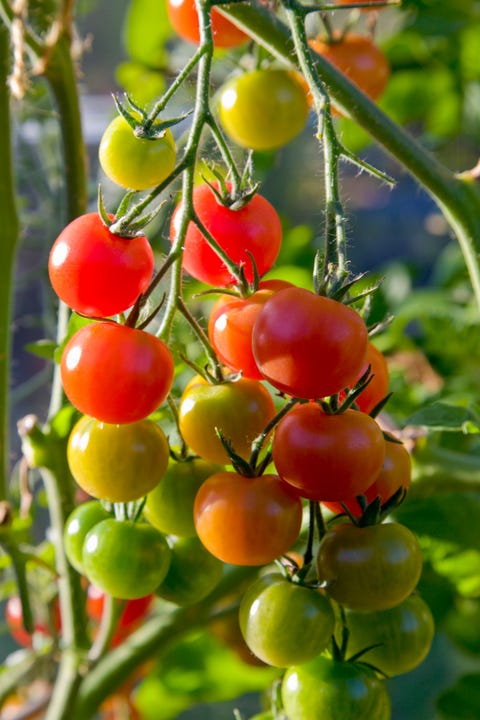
<point>462,701</point>
<point>147,29</point>
<point>443,416</point>
<point>42,348</point>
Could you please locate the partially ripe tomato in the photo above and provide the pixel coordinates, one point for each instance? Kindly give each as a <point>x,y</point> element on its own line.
<point>118,463</point>
<point>116,373</point>
<point>184,19</point>
<point>97,273</point>
<point>247,521</point>
<point>193,573</point>
<point>78,524</point>
<point>307,345</point>
<point>253,229</point>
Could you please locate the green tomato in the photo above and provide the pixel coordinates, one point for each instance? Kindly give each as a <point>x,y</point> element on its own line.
<point>134,162</point>
<point>284,623</point>
<point>78,524</point>
<point>193,572</point>
<point>124,559</point>
<point>324,689</point>
<point>169,505</point>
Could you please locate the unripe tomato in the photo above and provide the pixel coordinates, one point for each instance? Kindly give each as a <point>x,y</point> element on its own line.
<point>307,345</point>
<point>80,521</point>
<point>184,18</point>
<point>285,623</point>
<point>253,229</point>
<point>116,373</point>
<point>247,521</point>
<point>135,162</point>
<point>263,109</point>
<point>193,573</point>
<point>118,463</point>
<point>328,457</point>
<point>97,273</point>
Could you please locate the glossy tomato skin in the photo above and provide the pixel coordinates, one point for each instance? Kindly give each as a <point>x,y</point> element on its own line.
<point>330,690</point>
<point>369,568</point>
<point>230,327</point>
<point>285,623</point>
<point>402,635</point>
<point>118,463</point>
<point>308,346</point>
<point>78,524</point>
<point>134,162</point>
<point>328,457</point>
<point>263,109</point>
<point>97,273</point>
<point>255,228</point>
<point>184,19</point>
<point>116,373</point>
<point>240,409</point>
<point>247,521</point>
<point>124,559</point>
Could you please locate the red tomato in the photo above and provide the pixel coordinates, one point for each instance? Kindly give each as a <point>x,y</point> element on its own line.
<point>230,327</point>
<point>247,521</point>
<point>131,616</point>
<point>97,273</point>
<point>328,457</point>
<point>377,388</point>
<point>14,621</point>
<point>116,373</point>
<point>307,345</point>
<point>255,228</point>
<point>184,19</point>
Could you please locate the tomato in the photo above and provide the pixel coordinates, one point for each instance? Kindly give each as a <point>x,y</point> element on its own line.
<point>308,345</point>
<point>169,505</point>
<point>135,162</point>
<point>328,457</point>
<point>240,409</point>
<point>184,19</point>
<point>263,109</point>
<point>403,635</point>
<point>118,463</point>
<point>116,373</point>
<point>46,626</point>
<point>255,228</point>
<point>396,473</point>
<point>95,272</point>
<point>230,327</point>
<point>377,388</point>
<point>357,57</point>
<point>247,521</point>
<point>125,559</point>
<point>80,521</point>
<point>193,573</point>
<point>369,568</point>
<point>131,616</point>
<point>285,623</point>
<point>331,690</point>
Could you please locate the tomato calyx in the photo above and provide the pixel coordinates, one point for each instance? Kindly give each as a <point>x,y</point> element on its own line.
<point>339,651</point>
<point>374,512</point>
<point>142,124</point>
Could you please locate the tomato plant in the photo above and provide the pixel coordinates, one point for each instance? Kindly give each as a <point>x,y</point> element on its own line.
<point>377,388</point>
<point>184,19</point>
<point>95,272</point>
<point>131,616</point>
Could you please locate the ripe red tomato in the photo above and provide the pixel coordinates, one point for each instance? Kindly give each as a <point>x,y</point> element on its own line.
<point>328,457</point>
<point>97,273</point>
<point>134,611</point>
<point>116,373</point>
<point>230,327</point>
<point>263,109</point>
<point>307,345</point>
<point>247,521</point>
<point>184,19</point>
<point>377,388</point>
<point>255,228</point>
<point>14,621</point>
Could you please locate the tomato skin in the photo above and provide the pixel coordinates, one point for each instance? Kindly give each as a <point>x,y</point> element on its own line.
<point>285,623</point>
<point>193,573</point>
<point>247,521</point>
<point>307,345</point>
<point>369,568</point>
<point>240,409</point>
<point>330,690</point>
<point>263,109</point>
<point>80,521</point>
<point>230,327</point>
<point>124,559</point>
<point>255,228</point>
<point>116,373</point>
<point>97,273</point>
<point>118,463</point>
<point>184,19</point>
<point>377,388</point>
<point>403,635</point>
<point>328,457</point>
<point>134,162</point>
